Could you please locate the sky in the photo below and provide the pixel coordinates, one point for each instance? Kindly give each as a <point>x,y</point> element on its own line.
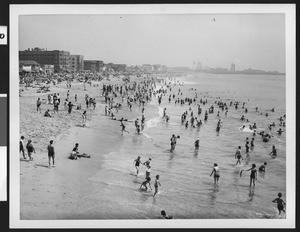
<point>254,41</point>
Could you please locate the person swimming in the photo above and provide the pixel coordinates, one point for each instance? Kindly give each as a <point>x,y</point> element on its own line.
<point>262,168</point>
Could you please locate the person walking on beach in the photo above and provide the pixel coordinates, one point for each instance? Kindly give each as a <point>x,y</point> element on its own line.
<point>280,203</point>
<point>156,183</point>
<point>238,156</point>
<point>123,128</point>
<point>197,144</point>
<point>70,105</point>
<point>22,146</point>
<point>84,118</point>
<point>30,149</point>
<point>216,172</point>
<point>137,162</point>
<point>51,153</point>
<point>253,174</point>
<point>38,105</point>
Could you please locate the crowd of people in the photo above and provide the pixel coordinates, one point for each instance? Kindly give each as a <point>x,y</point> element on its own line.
<point>139,93</point>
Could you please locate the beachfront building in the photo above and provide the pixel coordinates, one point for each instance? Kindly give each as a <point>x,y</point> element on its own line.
<point>60,59</point>
<point>93,65</point>
<point>29,66</point>
<point>117,67</point>
<point>158,68</point>
<point>147,68</point>
<point>76,63</point>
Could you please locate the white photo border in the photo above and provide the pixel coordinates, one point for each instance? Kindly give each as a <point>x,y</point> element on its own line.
<point>14,121</point>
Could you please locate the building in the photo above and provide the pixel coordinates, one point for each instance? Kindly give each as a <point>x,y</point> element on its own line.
<point>29,66</point>
<point>117,67</point>
<point>199,66</point>
<point>60,59</point>
<point>232,68</point>
<point>93,65</point>
<point>76,63</point>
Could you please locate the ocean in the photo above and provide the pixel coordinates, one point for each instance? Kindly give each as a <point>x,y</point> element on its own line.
<point>187,190</point>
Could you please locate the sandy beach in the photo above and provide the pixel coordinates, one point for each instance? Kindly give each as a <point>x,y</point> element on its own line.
<point>59,192</point>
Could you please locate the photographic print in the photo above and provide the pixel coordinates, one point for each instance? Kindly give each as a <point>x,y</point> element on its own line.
<point>146,113</point>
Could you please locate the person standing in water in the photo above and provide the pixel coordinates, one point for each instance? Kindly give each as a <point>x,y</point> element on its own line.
<point>216,172</point>
<point>156,183</point>
<point>197,144</point>
<point>253,174</point>
<point>137,162</point>
<point>273,152</point>
<point>238,156</point>
<point>173,142</point>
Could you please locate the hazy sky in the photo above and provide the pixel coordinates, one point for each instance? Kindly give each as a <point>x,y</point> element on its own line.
<point>249,40</point>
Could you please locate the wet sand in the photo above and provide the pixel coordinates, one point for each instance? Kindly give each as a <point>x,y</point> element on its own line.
<point>58,192</point>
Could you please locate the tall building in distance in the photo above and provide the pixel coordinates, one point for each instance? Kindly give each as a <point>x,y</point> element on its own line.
<point>232,68</point>
<point>199,66</point>
<point>60,59</point>
<point>76,63</point>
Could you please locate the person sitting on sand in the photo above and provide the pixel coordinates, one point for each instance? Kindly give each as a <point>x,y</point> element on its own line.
<point>47,113</point>
<point>165,216</point>
<point>78,107</point>
<point>74,153</point>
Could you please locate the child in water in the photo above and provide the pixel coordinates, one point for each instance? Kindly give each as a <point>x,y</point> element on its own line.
<point>280,203</point>
<point>262,168</point>
<point>156,183</point>
<point>147,181</point>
